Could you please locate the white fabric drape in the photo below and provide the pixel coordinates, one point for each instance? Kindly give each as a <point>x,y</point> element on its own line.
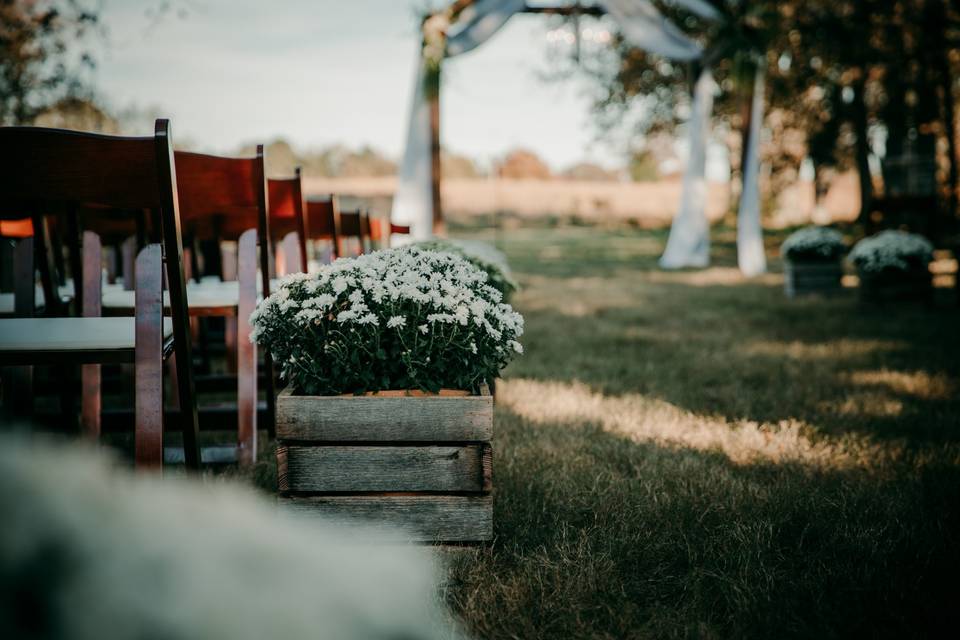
<point>701,8</point>
<point>413,200</point>
<point>645,28</point>
<point>750,254</point>
<point>689,242</point>
<point>478,22</point>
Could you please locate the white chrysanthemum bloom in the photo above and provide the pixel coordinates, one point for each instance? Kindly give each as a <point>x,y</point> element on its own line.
<point>813,244</point>
<point>892,251</point>
<point>483,256</point>
<point>400,318</point>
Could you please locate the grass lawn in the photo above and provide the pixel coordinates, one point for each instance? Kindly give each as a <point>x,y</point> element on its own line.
<point>690,454</point>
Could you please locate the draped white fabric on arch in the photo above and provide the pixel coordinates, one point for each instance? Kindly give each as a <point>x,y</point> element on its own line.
<point>689,241</point>
<point>750,253</point>
<point>643,26</point>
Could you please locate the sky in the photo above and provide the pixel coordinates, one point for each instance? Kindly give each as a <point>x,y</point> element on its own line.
<point>320,72</point>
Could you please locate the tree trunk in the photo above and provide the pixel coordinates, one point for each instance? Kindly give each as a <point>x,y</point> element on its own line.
<point>862,149</point>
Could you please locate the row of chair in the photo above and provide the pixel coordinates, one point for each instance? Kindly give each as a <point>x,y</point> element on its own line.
<point>187,238</point>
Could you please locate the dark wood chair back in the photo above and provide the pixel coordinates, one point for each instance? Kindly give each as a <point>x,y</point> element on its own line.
<point>221,198</point>
<point>381,229</point>
<point>43,171</point>
<point>322,221</point>
<point>350,228</point>
<point>288,213</point>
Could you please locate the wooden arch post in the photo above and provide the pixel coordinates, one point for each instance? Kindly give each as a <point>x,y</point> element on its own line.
<point>432,94</point>
<point>433,102</point>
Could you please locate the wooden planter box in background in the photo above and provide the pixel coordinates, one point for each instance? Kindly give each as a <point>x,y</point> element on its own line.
<point>801,278</point>
<point>916,286</point>
<point>418,464</point>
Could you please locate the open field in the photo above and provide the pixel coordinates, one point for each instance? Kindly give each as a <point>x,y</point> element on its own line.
<point>692,455</point>
<point>645,204</point>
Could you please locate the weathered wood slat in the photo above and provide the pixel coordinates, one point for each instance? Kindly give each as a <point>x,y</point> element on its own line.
<point>414,518</point>
<point>379,418</point>
<point>375,468</point>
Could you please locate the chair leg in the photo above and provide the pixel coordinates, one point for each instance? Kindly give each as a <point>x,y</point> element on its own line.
<point>291,253</point>
<point>230,333</point>
<point>90,399</point>
<point>18,381</point>
<point>246,351</point>
<point>174,398</point>
<point>270,390</point>
<point>128,252</point>
<point>228,264</point>
<point>148,436</point>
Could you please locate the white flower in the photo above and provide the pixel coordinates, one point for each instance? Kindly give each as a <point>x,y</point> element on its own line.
<point>348,311</point>
<point>892,250</point>
<point>369,318</point>
<point>813,243</point>
<point>349,315</point>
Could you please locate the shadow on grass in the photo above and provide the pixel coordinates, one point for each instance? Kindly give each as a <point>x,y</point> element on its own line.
<point>604,533</point>
<point>839,370</point>
<point>602,537</point>
<point>598,311</point>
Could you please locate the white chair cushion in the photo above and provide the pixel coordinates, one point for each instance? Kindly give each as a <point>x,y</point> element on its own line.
<point>70,334</point>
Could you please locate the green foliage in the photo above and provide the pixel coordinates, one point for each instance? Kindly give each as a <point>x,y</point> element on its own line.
<point>396,319</point>
<point>643,167</point>
<point>39,61</point>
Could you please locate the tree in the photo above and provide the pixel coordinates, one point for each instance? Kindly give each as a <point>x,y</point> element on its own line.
<point>523,164</point>
<point>39,63</point>
<point>838,71</point>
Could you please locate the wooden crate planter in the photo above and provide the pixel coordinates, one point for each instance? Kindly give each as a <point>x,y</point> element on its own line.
<point>916,286</point>
<point>417,464</point>
<point>802,278</point>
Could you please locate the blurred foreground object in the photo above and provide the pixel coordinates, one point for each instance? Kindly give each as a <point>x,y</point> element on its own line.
<point>89,551</point>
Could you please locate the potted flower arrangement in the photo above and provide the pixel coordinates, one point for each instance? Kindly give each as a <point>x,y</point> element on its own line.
<point>483,256</point>
<point>893,265</point>
<point>812,261</point>
<point>387,414</point>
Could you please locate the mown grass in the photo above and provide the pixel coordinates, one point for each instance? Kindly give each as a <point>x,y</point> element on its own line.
<point>691,454</point>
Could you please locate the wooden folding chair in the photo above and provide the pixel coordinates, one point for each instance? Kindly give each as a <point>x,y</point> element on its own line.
<point>381,230</point>
<point>322,225</point>
<point>288,224</point>
<point>352,226</point>
<point>46,170</point>
<point>222,200</point>
<point>19,231</point>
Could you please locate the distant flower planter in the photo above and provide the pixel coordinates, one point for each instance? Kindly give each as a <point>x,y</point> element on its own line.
<point>812,261</point>
<point>802,278</point>
<point>895,286</point>
<point>894,266</point>
<point>388,418</point>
